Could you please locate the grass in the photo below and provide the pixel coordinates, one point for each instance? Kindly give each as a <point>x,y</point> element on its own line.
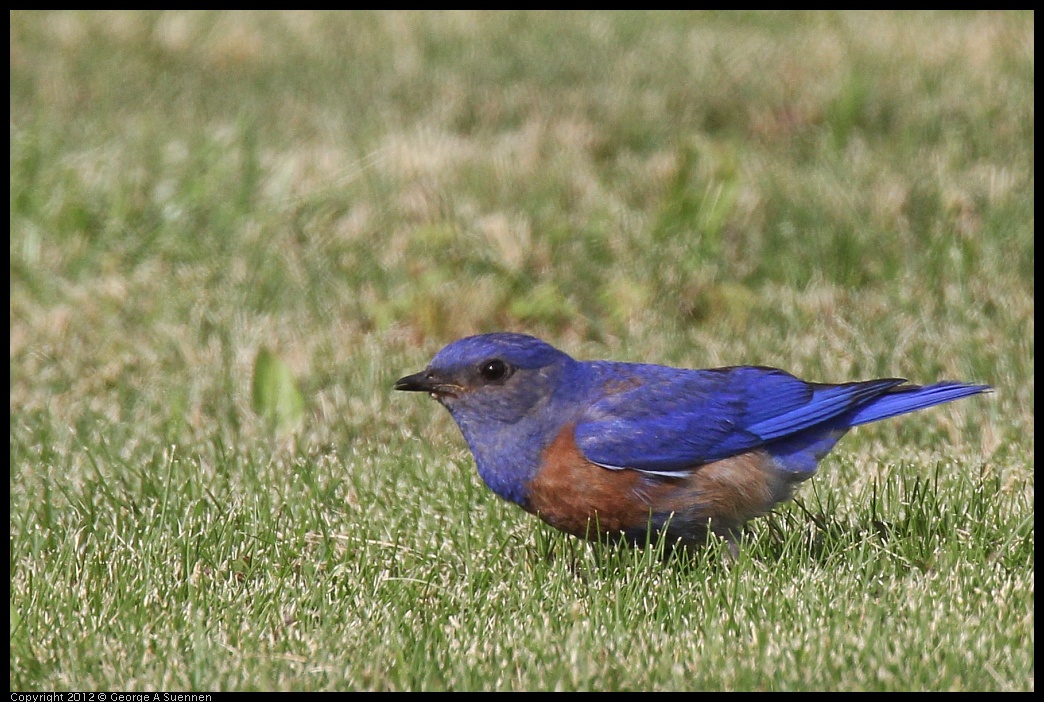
<point>231,232</point>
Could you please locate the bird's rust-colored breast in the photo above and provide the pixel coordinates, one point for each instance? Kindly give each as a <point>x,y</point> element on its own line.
<point>584,499</point>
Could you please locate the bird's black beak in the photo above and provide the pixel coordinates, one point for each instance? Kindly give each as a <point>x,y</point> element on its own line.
<point>427,381</point>
<point>418,382</point>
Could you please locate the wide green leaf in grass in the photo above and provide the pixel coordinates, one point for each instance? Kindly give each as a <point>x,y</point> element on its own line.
<point>275,394</point>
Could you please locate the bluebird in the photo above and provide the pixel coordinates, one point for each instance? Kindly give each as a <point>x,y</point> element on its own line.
<point>601,449</point>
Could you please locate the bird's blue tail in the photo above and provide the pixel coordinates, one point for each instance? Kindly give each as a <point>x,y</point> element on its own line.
<point>800,453</point>
<point>910,398</point>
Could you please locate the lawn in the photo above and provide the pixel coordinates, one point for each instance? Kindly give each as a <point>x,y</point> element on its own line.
<point>231,233</point>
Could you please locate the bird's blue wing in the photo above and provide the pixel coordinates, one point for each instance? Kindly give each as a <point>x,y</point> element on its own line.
<point>667,420</point>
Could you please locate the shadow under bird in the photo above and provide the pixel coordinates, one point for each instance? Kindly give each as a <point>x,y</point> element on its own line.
<point>602,449</point>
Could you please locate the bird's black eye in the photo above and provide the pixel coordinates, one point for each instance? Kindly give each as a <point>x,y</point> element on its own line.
<point>493,370</point>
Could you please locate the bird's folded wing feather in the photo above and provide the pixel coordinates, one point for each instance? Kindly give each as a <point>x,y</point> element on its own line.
<point>669,420</point>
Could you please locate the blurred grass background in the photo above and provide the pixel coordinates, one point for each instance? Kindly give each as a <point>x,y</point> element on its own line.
<point>195,196</point>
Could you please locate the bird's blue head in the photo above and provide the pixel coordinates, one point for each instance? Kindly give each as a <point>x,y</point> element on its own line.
<point>492,378</point>
<point>505,392</point>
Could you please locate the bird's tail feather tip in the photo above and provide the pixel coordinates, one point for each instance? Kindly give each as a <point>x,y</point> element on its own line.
<point>914,397</point>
